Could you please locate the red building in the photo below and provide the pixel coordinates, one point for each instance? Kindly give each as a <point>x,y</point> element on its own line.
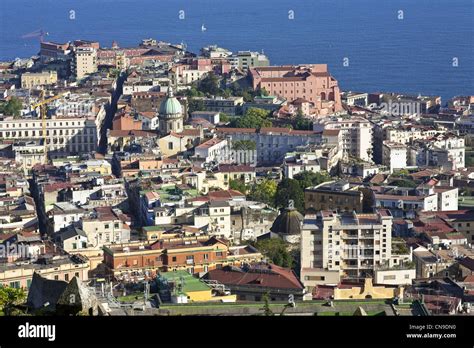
<point>310,82</point>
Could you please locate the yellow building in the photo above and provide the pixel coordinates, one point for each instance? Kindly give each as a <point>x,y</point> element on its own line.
<point>368,291</point>
<point>31,80</point>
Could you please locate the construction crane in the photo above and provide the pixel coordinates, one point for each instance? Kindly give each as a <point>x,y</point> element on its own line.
<point>42,105</point>
<point>40,33</point>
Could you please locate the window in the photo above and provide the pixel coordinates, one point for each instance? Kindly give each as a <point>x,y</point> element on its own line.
<point>389,277</point>
<point>66,277</point>
<point>219,253</point>
<point>170,146</point>
<point>56,277</point>
<point>206,256</point>
<point>173,258</point>
<point>314,278</point>
<point>15,285</point>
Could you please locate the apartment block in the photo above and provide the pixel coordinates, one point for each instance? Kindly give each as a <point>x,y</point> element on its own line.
<point>346,245</point>
<point>356,135</point>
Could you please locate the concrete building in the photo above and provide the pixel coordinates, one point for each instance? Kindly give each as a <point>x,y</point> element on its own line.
<point>272,143</point>
<point>334,195</point>
<point>84,61</point>
<point>246,59</point>
<point>104,226</point>
<point>394,156</point>
<point>32,80</point>
<point>347,245</point>
<point>211,150</point>
<point>169,252</point>
<point>65,136</point>
<point>61,268</point>
<point>231,106</point>
<point>310,82</point>
<point>356,135</point>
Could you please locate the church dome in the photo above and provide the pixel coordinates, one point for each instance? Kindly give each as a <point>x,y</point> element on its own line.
<point>288,222</point>
<point>170,105</point>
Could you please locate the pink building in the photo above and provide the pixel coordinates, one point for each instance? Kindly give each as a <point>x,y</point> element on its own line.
<point>311,82</point>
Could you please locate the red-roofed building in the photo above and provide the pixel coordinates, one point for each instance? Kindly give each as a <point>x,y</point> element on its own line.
<point>251,283</point>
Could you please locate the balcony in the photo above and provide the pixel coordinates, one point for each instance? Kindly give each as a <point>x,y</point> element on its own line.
<point>350,236</point>
<point>348,266</point>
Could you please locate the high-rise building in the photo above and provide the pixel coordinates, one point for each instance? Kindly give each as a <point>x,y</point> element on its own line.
<point>84,62</point>
<point>356,134</point>
<point>346,245</point>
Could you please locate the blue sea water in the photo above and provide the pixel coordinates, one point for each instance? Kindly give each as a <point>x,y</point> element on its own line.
<point>414,54</point>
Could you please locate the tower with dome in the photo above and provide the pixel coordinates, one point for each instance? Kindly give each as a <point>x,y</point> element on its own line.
<point>170,115</point>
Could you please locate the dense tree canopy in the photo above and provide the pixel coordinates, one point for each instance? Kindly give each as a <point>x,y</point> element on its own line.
<point>238,185</point>
<point>10,297</point>
<point>253,118</point>
<point>289,189</point>
<point>12,107</point>
<point>210,85</point>
<point>276,250</point>
<point>308,179</point>
<point>264,192</point>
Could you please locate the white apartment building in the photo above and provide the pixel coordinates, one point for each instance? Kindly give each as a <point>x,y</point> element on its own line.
<point>348,245</point>
<point>394,155</point>
<point>272,143</point>
<point>64,214</point>
<point>306,163</point>
<point>408,134</point>
<point>211,150</point>
<point>217,216</point>
<point>64,136</point>
<point>356,136</point>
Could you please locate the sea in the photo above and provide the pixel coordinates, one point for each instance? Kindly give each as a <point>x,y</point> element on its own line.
<point>405,46</point>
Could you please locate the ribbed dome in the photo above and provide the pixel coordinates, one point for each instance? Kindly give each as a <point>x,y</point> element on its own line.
<point>171,105</point>
<point>288,222</point>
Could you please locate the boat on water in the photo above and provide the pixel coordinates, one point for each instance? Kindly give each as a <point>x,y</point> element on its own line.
<point>203,28</point>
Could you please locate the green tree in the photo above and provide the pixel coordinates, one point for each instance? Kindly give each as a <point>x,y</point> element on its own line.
<point>404,183</point>
<point>266,305</point>
<point>302,123</point>
<point>12,107</point>
<point>223,117</point>
<point>277,250</point>
<point>264,192</point>
<point>308,179</point>
<point>210,85</point>
<point>253,118</point>
<point>289,189</point>
<point>196,105</point>
<point>238,185</point>
<point>11,297</point>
